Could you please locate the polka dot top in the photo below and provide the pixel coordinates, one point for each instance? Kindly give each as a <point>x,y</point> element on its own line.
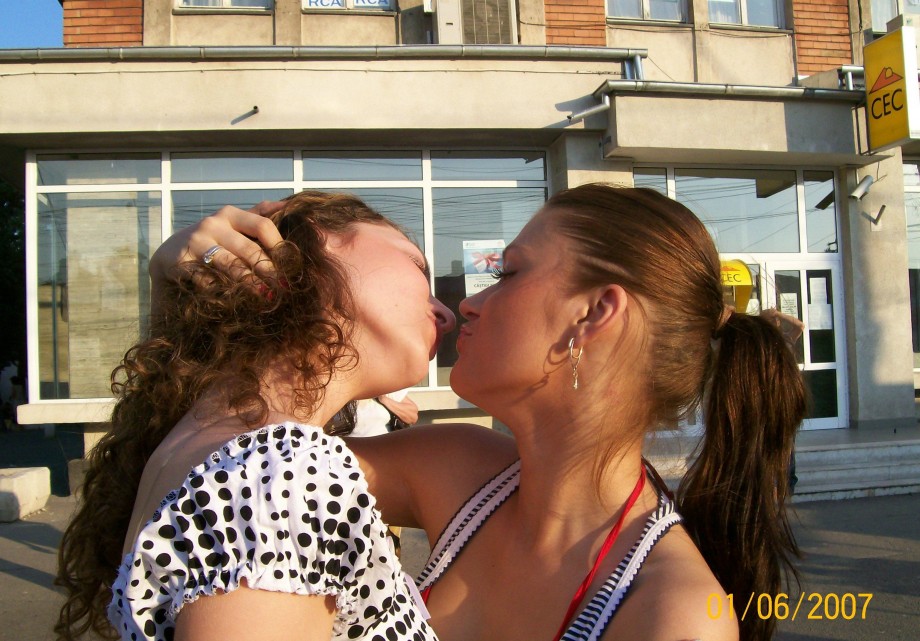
<point>287,509</point>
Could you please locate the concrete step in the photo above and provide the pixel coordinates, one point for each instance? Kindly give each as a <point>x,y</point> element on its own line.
<point>23,490</point>
<point>825,471</point>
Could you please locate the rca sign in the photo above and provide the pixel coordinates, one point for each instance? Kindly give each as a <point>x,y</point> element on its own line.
<point>892,92</point>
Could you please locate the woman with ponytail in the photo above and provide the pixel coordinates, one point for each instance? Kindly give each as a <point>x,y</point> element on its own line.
<point>606,322</point>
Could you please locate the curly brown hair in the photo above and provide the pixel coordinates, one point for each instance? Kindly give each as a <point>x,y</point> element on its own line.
<point>211,331</point>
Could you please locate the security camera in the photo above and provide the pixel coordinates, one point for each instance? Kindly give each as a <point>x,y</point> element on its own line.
<point>862,188</point>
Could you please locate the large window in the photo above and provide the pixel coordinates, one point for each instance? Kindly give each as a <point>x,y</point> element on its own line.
<point>885,10</point>
<point>99,218</point>
<point>671,10</point>
<point>226,4</point>
<point>354,5</point>
<point>912,213</point>
<point>754,211</point>
<point>754,13</point>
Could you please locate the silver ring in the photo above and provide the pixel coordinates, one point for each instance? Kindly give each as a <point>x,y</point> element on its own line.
<point>209,255</point>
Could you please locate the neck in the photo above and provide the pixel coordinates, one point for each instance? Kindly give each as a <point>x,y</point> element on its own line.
<point>571,485</point>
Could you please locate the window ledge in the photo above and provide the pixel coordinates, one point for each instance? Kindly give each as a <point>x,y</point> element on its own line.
<point>210,11</point>
<point>625,22</point>
<point>752,28</point>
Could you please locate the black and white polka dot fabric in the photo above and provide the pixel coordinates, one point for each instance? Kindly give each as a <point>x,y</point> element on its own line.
<point>287,509</point>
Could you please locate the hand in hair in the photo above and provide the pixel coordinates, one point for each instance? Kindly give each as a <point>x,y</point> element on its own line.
<point>789,326</point>
<point>243,235</point>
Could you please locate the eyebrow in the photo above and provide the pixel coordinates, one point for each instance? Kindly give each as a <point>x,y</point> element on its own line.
<point>427,269</point>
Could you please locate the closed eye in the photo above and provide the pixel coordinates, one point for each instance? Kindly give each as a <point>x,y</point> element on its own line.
<point>422,264</point>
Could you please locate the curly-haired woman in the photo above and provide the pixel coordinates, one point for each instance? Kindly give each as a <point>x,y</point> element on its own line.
<point>267,529</point>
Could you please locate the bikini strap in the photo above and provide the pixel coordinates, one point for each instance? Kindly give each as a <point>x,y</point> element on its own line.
<point>593,620</point>
<point>466,523</point>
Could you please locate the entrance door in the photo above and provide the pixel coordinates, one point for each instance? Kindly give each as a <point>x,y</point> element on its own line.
<point>812,292</point>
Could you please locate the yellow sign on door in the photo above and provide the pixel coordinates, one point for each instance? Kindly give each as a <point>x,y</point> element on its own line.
<point>892,91</point>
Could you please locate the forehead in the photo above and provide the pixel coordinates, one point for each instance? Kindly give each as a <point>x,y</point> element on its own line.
<point>539,230</point>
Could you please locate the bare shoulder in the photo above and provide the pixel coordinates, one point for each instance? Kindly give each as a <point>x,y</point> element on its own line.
<point>675,598</point>
<point>422,474</point>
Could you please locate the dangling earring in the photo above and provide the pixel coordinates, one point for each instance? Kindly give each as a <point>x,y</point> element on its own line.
<point>575,358</point>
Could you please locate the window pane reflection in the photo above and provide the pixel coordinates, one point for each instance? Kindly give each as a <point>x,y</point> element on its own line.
<point>371,165</point>
<point>93,288</point>
<point>88,169</point>
<point>820,212</point>
<point>469,165</point>
<point>472,214</point>
<point>744,210</point>
<point>191,206</point>
<point>231,168</point>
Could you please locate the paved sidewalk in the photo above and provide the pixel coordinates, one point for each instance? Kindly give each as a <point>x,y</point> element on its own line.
<point>859,546</point>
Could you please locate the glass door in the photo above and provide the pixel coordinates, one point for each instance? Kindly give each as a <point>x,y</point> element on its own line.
<point>812,292</point>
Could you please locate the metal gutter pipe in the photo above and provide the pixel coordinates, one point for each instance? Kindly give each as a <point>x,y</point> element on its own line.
<point>394,52</point>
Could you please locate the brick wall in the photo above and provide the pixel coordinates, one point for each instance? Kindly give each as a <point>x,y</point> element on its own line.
<point>103,23</point>
<point>576,22</point>
<point>822,35</point>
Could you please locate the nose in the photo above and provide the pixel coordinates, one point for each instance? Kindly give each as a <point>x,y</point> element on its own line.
<point>469,306</point>
<point>444,318</point>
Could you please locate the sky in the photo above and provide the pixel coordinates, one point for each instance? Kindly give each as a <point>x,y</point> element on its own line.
<point>28,24</point>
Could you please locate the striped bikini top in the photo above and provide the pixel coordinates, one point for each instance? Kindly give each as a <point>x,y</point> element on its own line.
<point>591,622</point>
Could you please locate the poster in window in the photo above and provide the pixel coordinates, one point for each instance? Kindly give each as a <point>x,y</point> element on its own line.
<point>480,260</point>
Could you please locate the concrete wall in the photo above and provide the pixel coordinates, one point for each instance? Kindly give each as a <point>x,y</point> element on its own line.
<point>879,352</point>
<point>472,94</point>
<point>724,131</point>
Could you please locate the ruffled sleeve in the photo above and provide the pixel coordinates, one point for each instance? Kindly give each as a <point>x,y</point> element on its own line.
<point>286,509</point>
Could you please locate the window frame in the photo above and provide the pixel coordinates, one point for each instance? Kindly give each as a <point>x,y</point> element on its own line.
<point>438,397</point>
<point>349,8</point>
<point>779,10</point>
<point>645,6</point>
<point>225,5</point>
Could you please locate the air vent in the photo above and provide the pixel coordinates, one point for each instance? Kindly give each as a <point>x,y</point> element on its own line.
<point>475,22</point>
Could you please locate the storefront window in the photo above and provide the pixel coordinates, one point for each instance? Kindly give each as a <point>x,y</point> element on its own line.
<point>92,289</point>
<point>746,211</point>
<point>371,165</point>
<point>96,237</point>
<point>465,165</point>
<point>651,178</point>
<point>820,212</point>
<point>912,214</point>
<point>227,168</point>
<point>89,169</point>
<point>188,207</point>
<point>492,216</point>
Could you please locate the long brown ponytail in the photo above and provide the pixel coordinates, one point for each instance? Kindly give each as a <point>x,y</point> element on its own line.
<point>733,497</point>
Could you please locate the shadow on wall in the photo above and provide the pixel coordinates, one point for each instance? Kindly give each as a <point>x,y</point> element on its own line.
<point>30,448</point>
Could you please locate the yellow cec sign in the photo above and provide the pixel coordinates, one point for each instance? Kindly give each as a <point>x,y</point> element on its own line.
<point>737,284</point>
<point>892,92</point>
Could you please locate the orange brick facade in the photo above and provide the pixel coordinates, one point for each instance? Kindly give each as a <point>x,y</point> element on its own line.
<point>103,23</point>
<point>822,35</point>
<point>576,22</point>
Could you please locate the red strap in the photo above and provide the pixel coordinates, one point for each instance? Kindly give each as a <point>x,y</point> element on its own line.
<point>605,549</point>
<point>425,593</point>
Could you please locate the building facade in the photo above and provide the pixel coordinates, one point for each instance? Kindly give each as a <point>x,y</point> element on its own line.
<point>458,118</point>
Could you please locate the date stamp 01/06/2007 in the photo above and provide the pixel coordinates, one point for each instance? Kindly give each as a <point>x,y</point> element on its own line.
<point>810,605</point>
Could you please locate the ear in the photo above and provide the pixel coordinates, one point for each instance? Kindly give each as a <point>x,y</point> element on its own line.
<point>606,311</point>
